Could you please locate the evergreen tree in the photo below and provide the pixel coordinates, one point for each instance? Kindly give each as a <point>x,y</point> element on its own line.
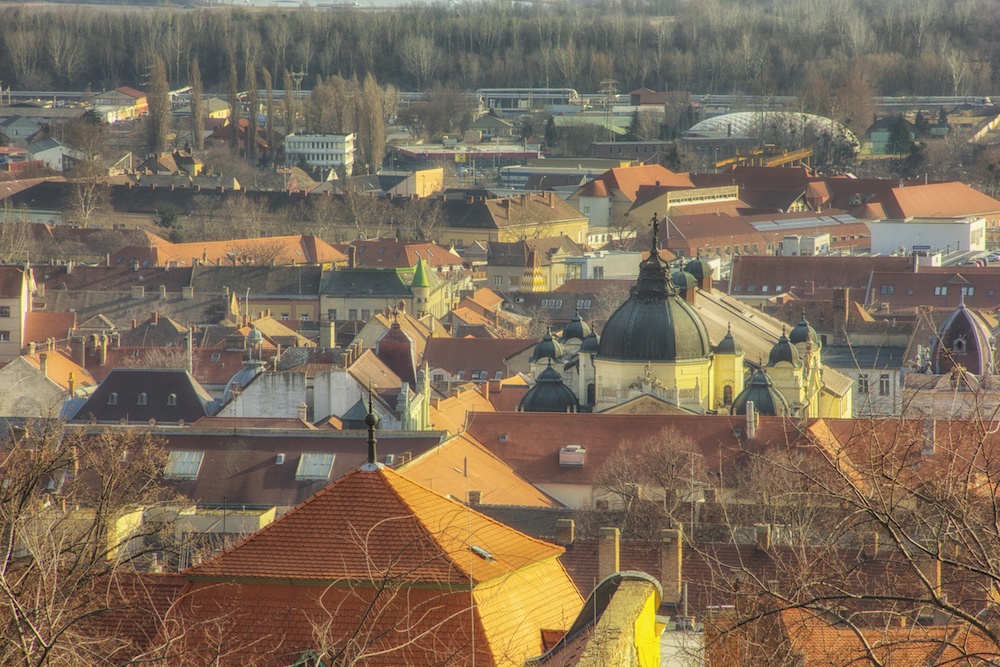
<point>551,136</point>
<point>158,121</point>
<point>900,140</point>
<point>251,85</point>
<point>197,107</point>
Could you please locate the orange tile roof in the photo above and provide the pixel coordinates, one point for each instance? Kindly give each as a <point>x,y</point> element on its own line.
<point>450,413</point>
<point>487,298</point>
<point>628,179</point>
<point>939,200</point>
<point>40,325</point>
<point>293,586</point>
<point>58,368</point>
<point>301,249</point>
<point>378,519</point>
<point>389,253</point>
<point>444,468</point>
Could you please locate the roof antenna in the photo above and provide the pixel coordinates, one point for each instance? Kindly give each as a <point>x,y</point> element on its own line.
<point>371,421</point>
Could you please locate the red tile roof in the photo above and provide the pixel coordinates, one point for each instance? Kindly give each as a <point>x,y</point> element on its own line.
<point>805,274</point>
<point>627,180</point>
<point>474,354</point>
<point>39,326</point>
<point>940,200</point>
<point>392,254</point>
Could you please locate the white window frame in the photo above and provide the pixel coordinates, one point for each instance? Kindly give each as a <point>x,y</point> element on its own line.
<point>183,464</point>
<point>314,466</point>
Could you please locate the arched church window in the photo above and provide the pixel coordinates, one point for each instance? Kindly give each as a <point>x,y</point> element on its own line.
<point>727,395</point>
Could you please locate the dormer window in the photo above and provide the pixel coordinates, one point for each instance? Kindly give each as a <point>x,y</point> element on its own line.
<point>171,399</point>
<point>958,346</point>
<point>113,398</point>
<point>142,399</point>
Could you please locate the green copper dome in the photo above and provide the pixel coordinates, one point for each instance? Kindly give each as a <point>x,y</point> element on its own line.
<point>549,394</point>
<point>767,400</point>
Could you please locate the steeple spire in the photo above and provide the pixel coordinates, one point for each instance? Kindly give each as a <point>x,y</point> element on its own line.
<point>371,421</point>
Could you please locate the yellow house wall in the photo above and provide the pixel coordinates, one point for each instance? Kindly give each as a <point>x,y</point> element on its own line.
<point>728,370</point>
<point>647,633</point>
<point>618,375</point>
<point>429,181</point>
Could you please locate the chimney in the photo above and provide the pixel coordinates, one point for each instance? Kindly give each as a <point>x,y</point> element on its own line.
<point>102,354</point>
<point>352,256</point>
<point>187,292</point>
<point>841,299</point>
<point>608,554</point>
<point>671,569</point>
<point>930,437</point>
<point>155,319</point>
<point>78,346</point>
<point>303,411</point>
<point>930,568</point>
<point>565,532</point>
<point>31,348</point>
<point>486,390</point>
<point>43,364</point>
<point>71,384</point>
<point>163,291</point>
<point>762,531</point>
<point>138,292</point>
<point>328,334</point>
<point>751,431</point>
<point>475,497</point>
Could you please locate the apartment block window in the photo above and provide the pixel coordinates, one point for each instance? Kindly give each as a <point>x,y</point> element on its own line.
<point>863,386</point>
<point>366,315</point>
<point>303,316</point>
<point>941,291</point>
<point>331,314</point>
<point>498,281</point>
<point>969,290</point>
<point>4,311</point>
<point>314,465</point>
<point>183,464</point>
<point>352,314</point>
<point>887,290</point>
<point>884,386</point>
<point>286,316</point>
<point>4,336</point>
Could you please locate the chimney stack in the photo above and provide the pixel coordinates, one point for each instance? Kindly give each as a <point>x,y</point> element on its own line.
<point>43,363</point>
<point>352,256</point>
<point>671,568</point>
<point>475,497</point>
<point>565,532</point>
<point>303,411</point>
<point>71,388</point>
<point>751,431</point>
<point>608,552</point>
<point>763,534</point>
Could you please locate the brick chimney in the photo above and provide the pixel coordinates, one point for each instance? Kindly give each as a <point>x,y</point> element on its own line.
<point>43,364</point>
<point>762,532</point>
<point>608,552</point>
<point>565,532</point>
<point>352,256</point>
<point>671,568</point>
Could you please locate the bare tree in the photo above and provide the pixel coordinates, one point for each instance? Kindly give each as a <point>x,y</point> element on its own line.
<point>71,506</point>
<point>197,108</point>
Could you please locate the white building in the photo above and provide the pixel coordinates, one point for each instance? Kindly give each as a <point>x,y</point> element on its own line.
<point>325,151</point>
<point>965,234</point>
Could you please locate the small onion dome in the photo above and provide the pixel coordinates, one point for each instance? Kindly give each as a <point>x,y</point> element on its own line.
<point>591,344</point>
<point>699,268</point>
<point>549,394</point>
<point>684,280</point>
<point>255,337</point>
<point>576,328</point>
<point>547,348</point>
<point>803,332</point>
<point>766,400</point>
<point>729,345</point>
<point>371,419</point>
<point>783,350</point>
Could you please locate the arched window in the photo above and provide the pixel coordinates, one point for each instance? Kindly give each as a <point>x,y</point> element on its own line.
<point>171,399</point>
<point>113,398</point>
<point>958,346</point>
<point>142,399</point>
<point>591,394</point>
<point>727,395</point>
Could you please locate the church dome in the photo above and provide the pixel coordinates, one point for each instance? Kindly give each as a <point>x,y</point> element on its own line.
<point>803,332</point>
<point>576,328</point>
<point>591,344</point>
<point>547,348</point>
<point>655,324</point>
<point>766,400</point>
<point>783,350</point>
<point>549,394</point>
<point>699,268</point>
<point>963,339</point>
<point>729,345</point>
